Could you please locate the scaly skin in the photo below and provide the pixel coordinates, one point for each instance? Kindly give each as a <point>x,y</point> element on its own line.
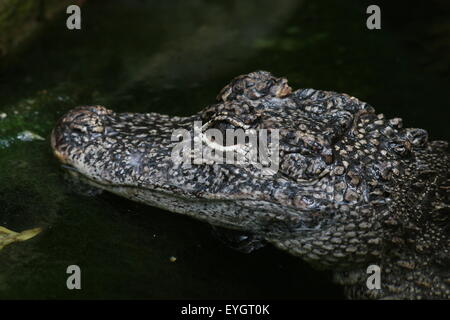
<point>352,189</point>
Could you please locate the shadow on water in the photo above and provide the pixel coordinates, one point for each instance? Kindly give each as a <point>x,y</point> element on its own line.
<point>173,57</point>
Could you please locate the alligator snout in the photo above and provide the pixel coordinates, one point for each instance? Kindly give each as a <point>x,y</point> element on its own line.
<point>76,128</point>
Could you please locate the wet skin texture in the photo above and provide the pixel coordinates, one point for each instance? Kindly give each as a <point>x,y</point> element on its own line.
<point>353,188</point>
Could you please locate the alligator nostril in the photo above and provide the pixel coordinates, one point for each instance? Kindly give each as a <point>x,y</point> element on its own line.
<point>78,128</point>
<point>85,120</point>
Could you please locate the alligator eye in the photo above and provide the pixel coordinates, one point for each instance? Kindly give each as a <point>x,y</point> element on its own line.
<point>222,126</point>
<point>211,131</point>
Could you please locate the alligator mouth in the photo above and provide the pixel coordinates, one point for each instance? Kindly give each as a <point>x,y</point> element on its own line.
<point>70,168</point>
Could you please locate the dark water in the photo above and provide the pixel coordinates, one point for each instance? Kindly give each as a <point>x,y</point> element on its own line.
<point>173,57</point>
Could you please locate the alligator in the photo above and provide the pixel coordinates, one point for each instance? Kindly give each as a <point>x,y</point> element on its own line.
<point>352,189</point>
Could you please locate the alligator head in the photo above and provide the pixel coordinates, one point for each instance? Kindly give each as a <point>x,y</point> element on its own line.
<point>345,189</point>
